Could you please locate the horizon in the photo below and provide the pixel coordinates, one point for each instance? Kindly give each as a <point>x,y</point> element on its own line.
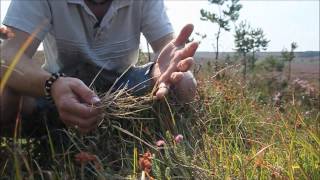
<point>298,21</point>
<point>201,51</point>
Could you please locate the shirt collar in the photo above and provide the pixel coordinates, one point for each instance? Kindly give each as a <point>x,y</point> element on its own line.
<point>75,1</point>
<point>116,4</point>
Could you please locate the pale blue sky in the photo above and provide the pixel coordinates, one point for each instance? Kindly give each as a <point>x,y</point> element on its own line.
<point>283,21</point>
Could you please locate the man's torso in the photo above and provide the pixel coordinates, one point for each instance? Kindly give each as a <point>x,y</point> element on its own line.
<point>74,35</point>
<point>112,43</point>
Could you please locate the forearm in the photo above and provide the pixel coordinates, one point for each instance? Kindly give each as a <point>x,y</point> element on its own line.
<point>27,77</point>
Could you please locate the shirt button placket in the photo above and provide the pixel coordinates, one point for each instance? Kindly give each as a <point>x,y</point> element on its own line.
<point>97,34</point>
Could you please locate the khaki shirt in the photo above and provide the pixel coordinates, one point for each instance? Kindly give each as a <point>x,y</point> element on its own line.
<point>72,34</point>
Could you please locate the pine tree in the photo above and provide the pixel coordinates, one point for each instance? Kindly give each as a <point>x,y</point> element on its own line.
<point>243,43</point>
<point>258,42</point>
<point>248,39</point>
<point>289,56</point>
<point>228,11</point>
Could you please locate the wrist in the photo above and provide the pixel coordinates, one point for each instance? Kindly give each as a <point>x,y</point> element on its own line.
<point>49,84</point>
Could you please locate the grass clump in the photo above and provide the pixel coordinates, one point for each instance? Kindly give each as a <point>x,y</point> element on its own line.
<point>228,132</point>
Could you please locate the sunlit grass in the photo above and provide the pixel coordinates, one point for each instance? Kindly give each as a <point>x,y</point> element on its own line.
<point>229,132</point>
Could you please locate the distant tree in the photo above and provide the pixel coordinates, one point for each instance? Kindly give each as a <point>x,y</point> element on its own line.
<point>243,44</point>
<point>248,39</point>
<point>289,56</point>
<point>258,42</point>
<point>228,60</point>
<point>202,36</point>
<point>199,37</point>
<point>271,63</point>
<point>228,11</point>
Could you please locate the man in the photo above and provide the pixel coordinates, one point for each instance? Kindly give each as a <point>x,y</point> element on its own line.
<point>80,37</point>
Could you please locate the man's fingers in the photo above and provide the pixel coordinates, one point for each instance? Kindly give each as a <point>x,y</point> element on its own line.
<point>185,65</point>
<point>83,123</point>
<point>166,75</point>
<point>183,35</point>
<point>82,110</point>
<point>180,61</point>
<point>189,50</point>
<point>6,33</point>
<point>163,90</point>
<point>176,77</point>
<point>85,93</point>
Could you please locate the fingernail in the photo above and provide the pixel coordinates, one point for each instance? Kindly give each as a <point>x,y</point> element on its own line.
<point>95,100</point>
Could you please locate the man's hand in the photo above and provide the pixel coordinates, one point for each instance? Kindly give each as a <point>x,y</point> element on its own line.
<point>76,104</point>
<point>173,62</point>
<point>6,33</point>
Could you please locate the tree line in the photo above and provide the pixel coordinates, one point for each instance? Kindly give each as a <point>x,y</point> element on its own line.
<point>247,39</point>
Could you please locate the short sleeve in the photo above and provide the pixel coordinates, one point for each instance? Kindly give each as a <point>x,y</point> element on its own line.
<point>155,22</point>
<point>27,16</point>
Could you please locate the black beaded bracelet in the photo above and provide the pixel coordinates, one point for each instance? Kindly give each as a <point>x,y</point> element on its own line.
<point>48,84</point>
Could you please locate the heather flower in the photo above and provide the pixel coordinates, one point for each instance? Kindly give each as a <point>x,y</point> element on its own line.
<point>84,157</point>
<point>304,85</point>
<point>178,138</point>
<point>145,162</point>
<point>160,143</point>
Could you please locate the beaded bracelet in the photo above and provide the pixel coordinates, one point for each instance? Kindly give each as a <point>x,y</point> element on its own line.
<point>48,84</point>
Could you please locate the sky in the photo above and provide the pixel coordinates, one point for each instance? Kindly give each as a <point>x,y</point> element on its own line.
<point>283,21</point>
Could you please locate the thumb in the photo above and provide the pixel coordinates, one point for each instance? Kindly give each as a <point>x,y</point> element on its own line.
<point>84,93</point>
